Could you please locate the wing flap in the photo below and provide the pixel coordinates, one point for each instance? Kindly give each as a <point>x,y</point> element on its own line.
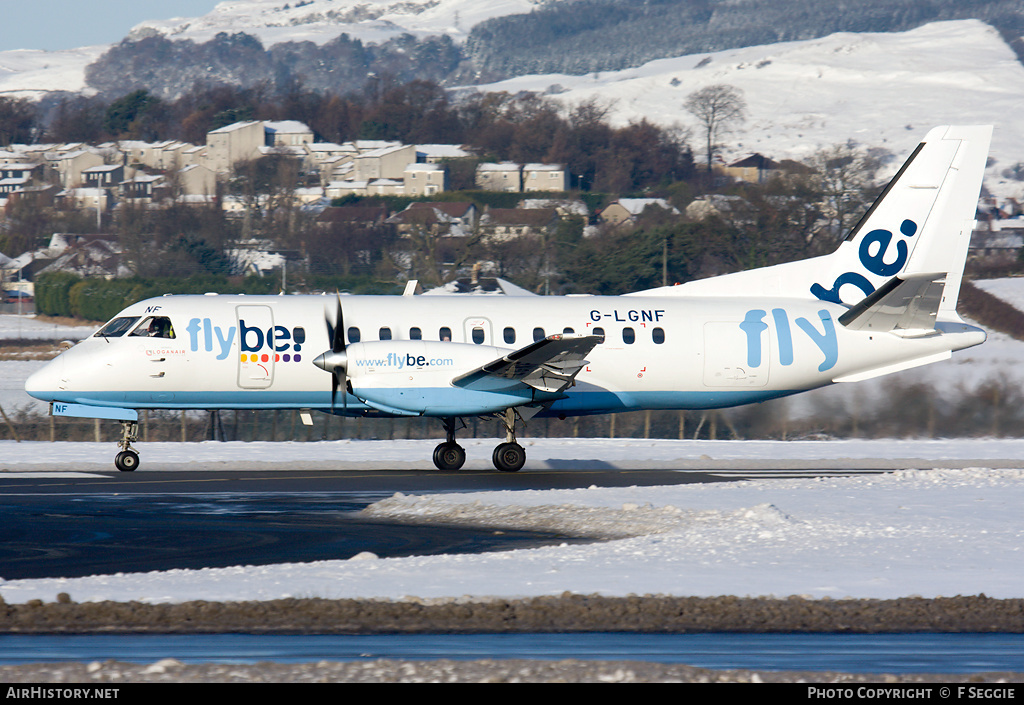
<point>548,365</point>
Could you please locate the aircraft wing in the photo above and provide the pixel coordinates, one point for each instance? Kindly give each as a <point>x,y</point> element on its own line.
<point>903,304</point>
<point>548,365</point>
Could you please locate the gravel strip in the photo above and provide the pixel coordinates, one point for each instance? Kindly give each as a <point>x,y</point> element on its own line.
<point>565,613</point>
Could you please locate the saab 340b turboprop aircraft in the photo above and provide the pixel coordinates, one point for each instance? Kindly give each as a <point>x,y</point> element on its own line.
<point>884,301</point>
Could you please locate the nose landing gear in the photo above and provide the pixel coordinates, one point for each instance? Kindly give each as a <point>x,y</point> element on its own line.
<point>128,459</point>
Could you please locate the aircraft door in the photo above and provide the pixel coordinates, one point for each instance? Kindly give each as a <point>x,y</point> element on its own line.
<point>478,331</point>
<point>733,357</point>
<point>255,346</point>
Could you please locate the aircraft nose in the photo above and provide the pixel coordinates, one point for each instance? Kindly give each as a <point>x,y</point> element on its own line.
<point>44,383</point>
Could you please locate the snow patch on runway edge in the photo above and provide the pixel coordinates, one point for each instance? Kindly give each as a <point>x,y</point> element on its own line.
<point>629,520</point>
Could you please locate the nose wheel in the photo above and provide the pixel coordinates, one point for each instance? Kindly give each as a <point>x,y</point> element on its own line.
<point>128,459</point>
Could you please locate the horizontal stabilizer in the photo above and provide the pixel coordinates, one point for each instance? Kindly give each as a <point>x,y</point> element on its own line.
<point>548,365</point>
<point>906,304</point>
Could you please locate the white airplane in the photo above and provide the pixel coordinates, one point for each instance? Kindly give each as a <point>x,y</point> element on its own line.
<point>884,301</point>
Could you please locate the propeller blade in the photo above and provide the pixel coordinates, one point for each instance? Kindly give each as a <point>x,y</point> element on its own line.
<point>334,389</point>
<point>336,334</point>
<point>338,341</point>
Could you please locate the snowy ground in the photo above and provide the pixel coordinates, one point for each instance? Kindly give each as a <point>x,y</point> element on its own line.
<point>928,532</point>
<point>946,521</point>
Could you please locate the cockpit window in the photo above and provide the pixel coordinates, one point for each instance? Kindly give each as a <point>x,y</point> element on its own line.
<point>117,327</point>
<point>155,327</point>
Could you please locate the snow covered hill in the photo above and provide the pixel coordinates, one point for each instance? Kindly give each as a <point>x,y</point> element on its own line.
<point>32,73</point>
<point>318,21</point>
<point>881,90</point>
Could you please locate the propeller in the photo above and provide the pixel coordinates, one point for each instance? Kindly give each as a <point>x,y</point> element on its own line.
<point>335,360</point>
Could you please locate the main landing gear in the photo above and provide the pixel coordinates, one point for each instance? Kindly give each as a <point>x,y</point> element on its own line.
<point>128,459</point>
<point>449,455</point>
<point>508,456</point>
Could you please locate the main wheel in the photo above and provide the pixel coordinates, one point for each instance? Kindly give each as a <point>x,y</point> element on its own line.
<point>126,461</point>
<point>449,456</point>
<point>509,457</point>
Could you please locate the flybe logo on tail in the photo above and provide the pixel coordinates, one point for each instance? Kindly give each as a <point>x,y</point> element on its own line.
<point>875,256</point>
<point>255,343</point>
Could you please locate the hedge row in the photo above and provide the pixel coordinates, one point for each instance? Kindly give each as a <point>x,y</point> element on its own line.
<point>98,299</point>
<point>95,299</point>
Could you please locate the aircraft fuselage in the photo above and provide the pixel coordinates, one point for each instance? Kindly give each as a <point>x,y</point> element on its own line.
<point>659,352</point>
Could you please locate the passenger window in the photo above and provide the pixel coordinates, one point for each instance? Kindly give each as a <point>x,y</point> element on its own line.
<point>568,331</point>
<point>155,327</point>
<point>117,327</point>
<point>384,333</point>
<point>599,332</point>
<point>415,333</point>
<point>299,336</point>
<point>628,336</point>
<point>445,334</point>
<point>510,335</point>
<point>538,334</point>
<point>478,336</point>
<point>658,334</point>
<point>353,335</point>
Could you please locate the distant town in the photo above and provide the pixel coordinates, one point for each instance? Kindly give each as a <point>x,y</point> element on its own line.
<point>387,211</point>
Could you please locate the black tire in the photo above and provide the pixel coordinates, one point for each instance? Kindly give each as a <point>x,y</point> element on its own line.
<point>509,457</point>
<point>449,456</point>
<point>126,461</point>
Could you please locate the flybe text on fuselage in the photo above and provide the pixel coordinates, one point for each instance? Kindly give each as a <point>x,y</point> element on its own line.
<point>287,343</point>
<point>826,339</point>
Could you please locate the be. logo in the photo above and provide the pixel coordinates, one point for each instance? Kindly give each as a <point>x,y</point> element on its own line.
<point>872,252</point>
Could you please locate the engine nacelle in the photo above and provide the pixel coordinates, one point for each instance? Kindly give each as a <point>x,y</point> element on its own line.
<point>415,377</point>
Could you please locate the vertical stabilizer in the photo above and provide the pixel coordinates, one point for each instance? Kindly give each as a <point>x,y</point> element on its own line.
<point>921,223</point>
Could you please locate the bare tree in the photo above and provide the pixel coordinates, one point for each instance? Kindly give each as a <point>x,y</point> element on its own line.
<point>844,176</point>
<point>717,107</point>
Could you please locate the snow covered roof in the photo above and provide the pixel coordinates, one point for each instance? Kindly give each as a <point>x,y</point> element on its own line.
<point>636,206</point>
<point>441,151</point>
<point>234,126</point>
<point>290,126</point>
<point>503,166</point>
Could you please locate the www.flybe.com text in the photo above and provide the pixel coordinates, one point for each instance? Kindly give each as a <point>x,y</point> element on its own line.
<point>402,361</point>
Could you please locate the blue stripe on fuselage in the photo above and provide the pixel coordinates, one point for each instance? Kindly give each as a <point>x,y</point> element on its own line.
<point>575,403</point>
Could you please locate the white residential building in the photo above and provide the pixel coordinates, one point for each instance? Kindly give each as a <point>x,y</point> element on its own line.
<point>505,176</point>
<point>545,177</point>
<point>233,144</point>
<point>286,133</point>
<point>425,179</point>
